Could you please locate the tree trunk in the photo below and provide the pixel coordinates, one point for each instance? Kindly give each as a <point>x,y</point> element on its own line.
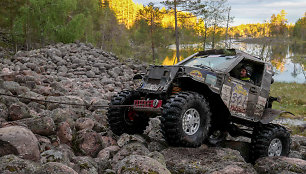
<point>205,37</point>
<point>176,34</point>
<point>227,23</point>
<point>213,38</point>
<point>152,40</point>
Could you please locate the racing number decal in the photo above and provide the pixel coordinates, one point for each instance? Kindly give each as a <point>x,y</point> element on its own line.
<point>239,99</point>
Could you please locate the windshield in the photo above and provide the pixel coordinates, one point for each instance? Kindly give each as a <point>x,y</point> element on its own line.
<point>216,62</point>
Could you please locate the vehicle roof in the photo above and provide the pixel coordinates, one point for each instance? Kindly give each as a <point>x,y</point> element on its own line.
<point>226,52</point>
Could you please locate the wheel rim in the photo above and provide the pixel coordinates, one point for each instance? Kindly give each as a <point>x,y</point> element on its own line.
<point>275,147</point>
<point>191,121</point>
<point>129,116</point>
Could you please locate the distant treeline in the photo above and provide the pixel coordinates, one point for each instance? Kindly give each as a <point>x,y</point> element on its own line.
<point>126,28</point>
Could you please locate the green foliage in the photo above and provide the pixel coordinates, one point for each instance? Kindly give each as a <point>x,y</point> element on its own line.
<point>278,24</point>
<point>41,21</point>
<point>299,30</point>
<point>74,30</point>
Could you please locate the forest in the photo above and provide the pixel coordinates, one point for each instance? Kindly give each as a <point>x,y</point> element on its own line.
<point>132,30</point>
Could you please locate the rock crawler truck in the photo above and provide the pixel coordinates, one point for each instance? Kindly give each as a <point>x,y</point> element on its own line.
<point>200,99</point>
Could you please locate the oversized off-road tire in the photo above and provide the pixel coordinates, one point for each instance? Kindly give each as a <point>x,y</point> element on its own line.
<point>270,140</point>
<point>124,119</point>
<point>185,119</point>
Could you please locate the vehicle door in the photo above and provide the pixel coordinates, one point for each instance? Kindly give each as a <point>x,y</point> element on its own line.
<point>241,97</point>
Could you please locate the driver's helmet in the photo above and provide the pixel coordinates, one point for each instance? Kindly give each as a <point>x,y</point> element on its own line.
<point>248,69</point>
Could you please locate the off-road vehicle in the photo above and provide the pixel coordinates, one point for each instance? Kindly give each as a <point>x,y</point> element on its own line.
<point>201,98</point>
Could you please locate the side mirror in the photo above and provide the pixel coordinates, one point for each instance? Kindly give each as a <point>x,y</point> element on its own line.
<point>138,76</point>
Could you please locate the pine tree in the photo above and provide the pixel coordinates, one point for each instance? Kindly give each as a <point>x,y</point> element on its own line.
<point>299,30</point>
<point>151,15</point>
<point>184,5</point>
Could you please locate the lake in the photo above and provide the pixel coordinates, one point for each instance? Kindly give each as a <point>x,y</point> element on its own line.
<point>288,59</point>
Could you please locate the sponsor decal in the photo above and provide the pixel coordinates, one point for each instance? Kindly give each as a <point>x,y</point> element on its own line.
<point>197,75</point>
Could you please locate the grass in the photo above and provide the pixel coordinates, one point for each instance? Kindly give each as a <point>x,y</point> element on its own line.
<point>293,98</point>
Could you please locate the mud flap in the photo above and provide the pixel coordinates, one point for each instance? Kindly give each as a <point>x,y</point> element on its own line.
<point>270,114</point>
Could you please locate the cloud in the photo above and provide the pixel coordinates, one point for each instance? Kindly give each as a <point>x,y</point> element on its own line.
<point>287,4</point>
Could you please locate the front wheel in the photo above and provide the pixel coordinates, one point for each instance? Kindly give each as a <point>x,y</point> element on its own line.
<point>186,119</point>
<point>125,119</point>
<point>270,140</point>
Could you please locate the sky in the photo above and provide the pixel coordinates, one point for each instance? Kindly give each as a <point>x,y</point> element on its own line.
<point>257,11</point>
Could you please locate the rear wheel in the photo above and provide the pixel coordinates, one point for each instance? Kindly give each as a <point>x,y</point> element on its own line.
<point>125,119</point>
<point>270,140</point>
<point>186,119</point>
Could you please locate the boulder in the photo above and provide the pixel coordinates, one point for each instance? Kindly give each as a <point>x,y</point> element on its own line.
<point>18,111</point>
<point>14,87</point>
<point>11,164</point>
<point>84,123</point>
<point>275,165</point>
<point>3,111</point>
<point>8,101</point>
<point>157,146</point>
<point>104,166</point>
<point>123,139</point>
<point>126,138</point>
<point>153,130</point>
<point>108,141</point>
<point>85,165</point>
<point>87,142</point>
<point>54,156</point>
<point>44,143</point>
<point>64,133</point>
<point>230,169</point>
<point>32,95</point>
<point>61,115</point>
<point>55,168</point>
<point>158,157</point>
<point>205,160</point>
<point>140,164</point>
<point>40,125</point>
<point>135,148</point>
<point>108,152</point>
<point>19,141</point>
<point>64,148</point>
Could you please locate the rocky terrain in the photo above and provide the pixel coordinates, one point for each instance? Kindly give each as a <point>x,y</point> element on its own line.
<point>39,137</point>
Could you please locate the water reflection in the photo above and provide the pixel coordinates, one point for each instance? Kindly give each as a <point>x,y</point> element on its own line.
<point>288,59</point>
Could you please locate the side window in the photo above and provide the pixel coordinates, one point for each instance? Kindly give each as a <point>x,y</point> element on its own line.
<point>255,69</point>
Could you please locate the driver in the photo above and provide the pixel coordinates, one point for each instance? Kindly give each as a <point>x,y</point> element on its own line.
<point>246,73</point>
